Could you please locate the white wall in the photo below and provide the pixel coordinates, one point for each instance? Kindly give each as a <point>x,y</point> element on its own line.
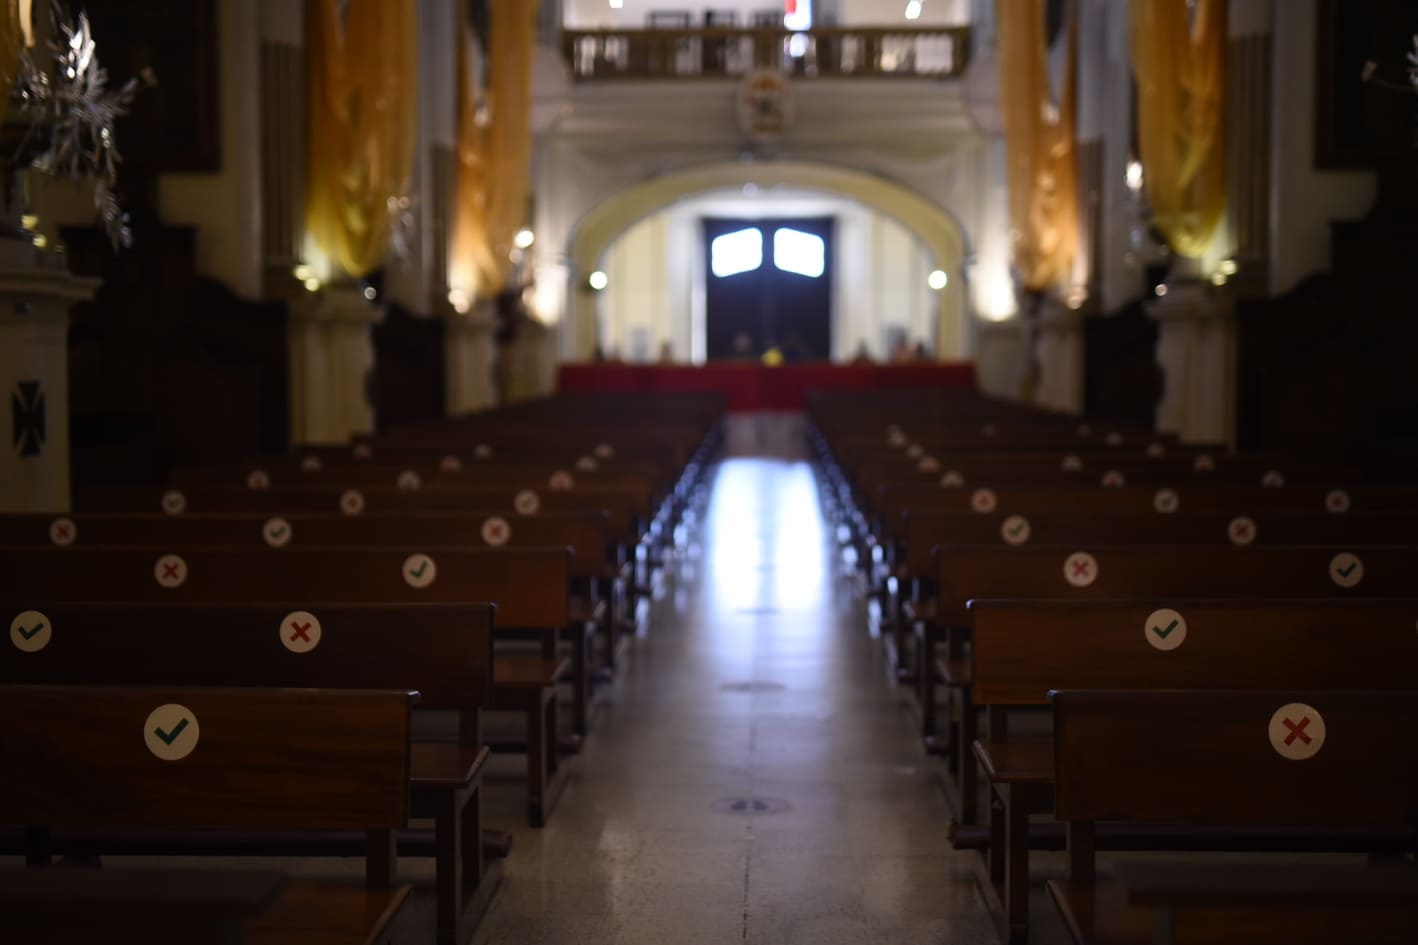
<point>656,275</point>
<point>1303,200</point>
<point>592,14</point>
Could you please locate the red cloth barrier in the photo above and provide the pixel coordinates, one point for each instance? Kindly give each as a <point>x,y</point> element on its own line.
<point>757,387</point>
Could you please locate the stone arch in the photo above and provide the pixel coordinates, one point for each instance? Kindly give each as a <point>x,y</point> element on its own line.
<point>935,226</point>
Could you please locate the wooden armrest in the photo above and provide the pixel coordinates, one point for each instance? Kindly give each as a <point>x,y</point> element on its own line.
<point>311,913</point>
<point>586,611</point>
<point>527,672</point>
<point>446,764</point>
<point>1025,760</point>
<point>954,672</point>
<point>1289,886</point>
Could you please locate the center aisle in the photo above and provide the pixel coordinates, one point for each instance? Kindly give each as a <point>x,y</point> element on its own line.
<point>750,777</point>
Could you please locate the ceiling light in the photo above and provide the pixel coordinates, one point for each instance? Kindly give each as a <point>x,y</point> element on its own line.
<point>938,280</point>
<point>913,10</point>
<point>598,280</point>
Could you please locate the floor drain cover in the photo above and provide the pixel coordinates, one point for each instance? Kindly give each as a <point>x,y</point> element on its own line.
<point>752,687</point>
<point>751,806</point>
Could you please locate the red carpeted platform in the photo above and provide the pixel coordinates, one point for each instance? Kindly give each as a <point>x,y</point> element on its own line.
<point>757,387</point>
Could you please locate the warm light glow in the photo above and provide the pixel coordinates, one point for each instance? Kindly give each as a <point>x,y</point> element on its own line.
<point>459,300</point>
<point>598,280</point>
<point>524,239</point>
<point>938,280</point>
<point>736,252</point>
<point>40,241</point>
<point>1228,267</point>
<point>27,21</point>
<point>803,254</point>
<point>1134,175</point>
<point>1161,290</point>
<point>369,293</point>
<point>312,285</point>
<point>302,272</point>
<point>1218,278</point>
<point>913,10</point>
<point>29,221</point>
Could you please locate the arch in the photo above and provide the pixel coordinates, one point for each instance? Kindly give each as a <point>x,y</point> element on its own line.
<point>935,226</point>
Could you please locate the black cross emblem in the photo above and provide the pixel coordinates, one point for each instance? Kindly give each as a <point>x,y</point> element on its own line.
<point>27,410</point>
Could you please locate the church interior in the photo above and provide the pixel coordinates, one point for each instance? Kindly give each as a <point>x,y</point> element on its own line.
<point>630,472</point>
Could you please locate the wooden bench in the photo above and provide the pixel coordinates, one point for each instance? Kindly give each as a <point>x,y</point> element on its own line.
<point>1023,649</point>
<point>966,573</point>
<point>444,651</point>
<point>528,586</point>
<point>1159,757</point>
<point>175,758</point>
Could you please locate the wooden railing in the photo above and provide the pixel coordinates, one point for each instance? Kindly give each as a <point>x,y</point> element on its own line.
<point>842,52</point>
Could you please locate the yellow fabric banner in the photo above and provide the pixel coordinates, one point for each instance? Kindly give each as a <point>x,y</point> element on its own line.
<point>494,162</point>
<point>1039,145</point>
<point>363,122</point>
<point>1181,80</point>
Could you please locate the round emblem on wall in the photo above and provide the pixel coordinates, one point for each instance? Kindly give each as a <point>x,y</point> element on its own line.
<point>766,105</point>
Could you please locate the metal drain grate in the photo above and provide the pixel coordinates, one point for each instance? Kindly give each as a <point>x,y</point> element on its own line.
<point>752,806</point>
<point>752,687</point>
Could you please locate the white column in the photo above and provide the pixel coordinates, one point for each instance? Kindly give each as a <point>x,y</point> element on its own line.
<point>469,353</point>
<point>1196,349</point>
<point>34,376</point>
<point>331,360</point>
<point>1058,350</point>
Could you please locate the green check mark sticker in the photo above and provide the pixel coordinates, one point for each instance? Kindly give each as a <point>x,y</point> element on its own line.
<point>1166,629</point>
<point>171,732</point>
<point>1346,569</point>
<point>1015,530</point>
<point>419,571</point>
<point>30,631</point>
<point>277,532</point>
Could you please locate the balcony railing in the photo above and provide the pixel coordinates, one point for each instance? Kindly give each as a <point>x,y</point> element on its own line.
<point>843,52</point>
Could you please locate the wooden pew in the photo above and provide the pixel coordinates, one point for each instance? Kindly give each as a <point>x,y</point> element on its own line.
<point>528,586</point>
<point>443,651</point>
<point>175,758</point>
<point>1023,649</point>
<point>1158,757</point>
<point>1088,573</point>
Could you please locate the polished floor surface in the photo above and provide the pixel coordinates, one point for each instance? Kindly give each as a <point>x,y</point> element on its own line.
<point>751,776</point>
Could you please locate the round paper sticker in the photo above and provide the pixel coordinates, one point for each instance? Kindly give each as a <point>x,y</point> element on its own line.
<point>170,571</point>
<point>1114,439</point>
<point>1015,530</point>
<point>1204,463</point>
<point>1336,502</point>
<point>989,430</point>
<point>1296,731</point>
<point>310,464</point>
<point>171,732</point>
<point>561,480</point>
<point>984,501</point>
<point>352,502</point>
<point>952,480</point>
<point>1166,501</point>
<point>63,532</point>
<point>1241,530</point>
<point>1156,451</point>
<point>928,464</point>
<point>587,464</point>
<point>604,451</point>
<point>362,451</point>
<point>300,631</point>
<point>419,571</point>
<point>1273,479</point>
<point>276,532</point>
<point>526,502</point>
<point>1113,479</point>
<point>450,464</point>
<point>410,481</point>
<point>1080,569</point>
<point>496,532</point>
<point>1072,463</point>
<point>174,502</point>
<point>896,438</point>
<point>1346,569</point>
<point>1085,430</point>
<point>915,451</point>
<point>258,480</point>
<point>30,631</point>
<point>1165,629</point>
<point>482,451</point>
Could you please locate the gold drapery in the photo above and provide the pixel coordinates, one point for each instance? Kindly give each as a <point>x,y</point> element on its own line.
<point>16,32</point>
<point>494,162</point>
<point>1181,77</point>
<point>1039,145</point>
<point>363,121</point>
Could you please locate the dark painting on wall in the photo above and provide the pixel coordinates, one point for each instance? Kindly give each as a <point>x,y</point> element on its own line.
<point>175,125</point>
<point>1354,115</point>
